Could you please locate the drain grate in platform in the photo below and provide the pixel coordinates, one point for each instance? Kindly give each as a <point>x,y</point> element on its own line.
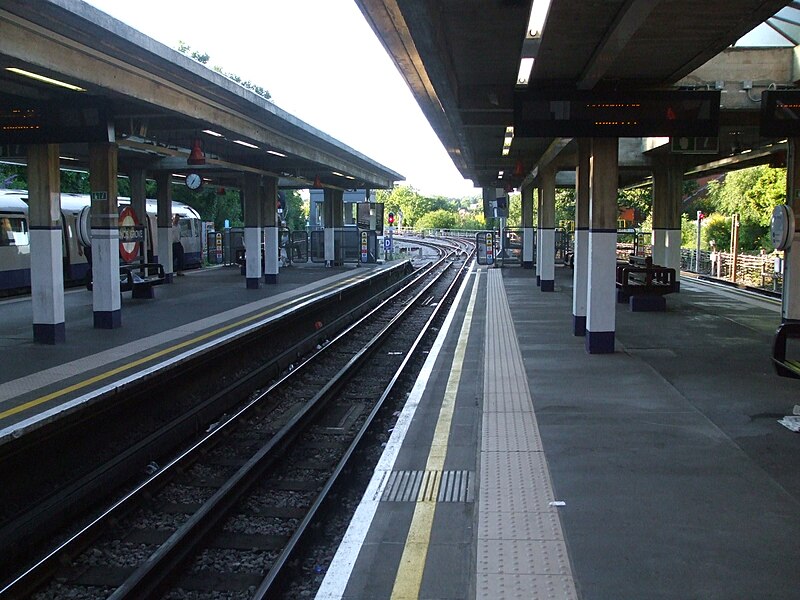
<point>428,486</point>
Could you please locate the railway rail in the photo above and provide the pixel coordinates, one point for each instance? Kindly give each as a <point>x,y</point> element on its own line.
<point>228,514</point>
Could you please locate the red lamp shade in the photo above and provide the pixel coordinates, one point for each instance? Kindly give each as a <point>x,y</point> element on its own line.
<point>196,157</point>
<point>519,169</point>
<point>317,182</point>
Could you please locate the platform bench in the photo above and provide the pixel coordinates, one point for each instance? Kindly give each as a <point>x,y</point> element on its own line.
<point>138,279</point>
<point>643,284</point>
<point>785,367</point>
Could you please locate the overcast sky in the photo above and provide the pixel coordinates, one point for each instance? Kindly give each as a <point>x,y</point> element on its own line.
<point>321,62</point>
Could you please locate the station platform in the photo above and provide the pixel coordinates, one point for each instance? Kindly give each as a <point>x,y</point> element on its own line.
<point>40,382</point>
<point>524,467</point>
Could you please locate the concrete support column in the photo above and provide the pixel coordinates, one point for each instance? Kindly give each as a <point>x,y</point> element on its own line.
<point>667,196</point>
<point>270,217</point>
<point>252,229</point>
<point>547,230</point>
<point>790,304</point>
<point>539,195</point>
<point>527,227</point>
<point>333,217</point>
<point>163,248</point>
<point>138,180</point>
<point>580,275</point>
<point>601,300</point>
<point>105,236</point>
<point>44,222</point>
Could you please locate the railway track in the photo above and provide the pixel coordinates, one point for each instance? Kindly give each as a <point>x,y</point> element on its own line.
<point>227,515</point>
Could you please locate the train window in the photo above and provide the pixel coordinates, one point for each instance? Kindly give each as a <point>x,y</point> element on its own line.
<point>13,231</point>
<point>186,227</point>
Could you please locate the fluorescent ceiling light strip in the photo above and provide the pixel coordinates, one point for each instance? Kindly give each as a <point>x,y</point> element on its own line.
<point>538,16</point>
<point>525,68</point>
<point>276,153</point>
<point>243,143</point>
<point>506,151</point>
<point>337,174</point>
<point>214,133</point>
<point>44,79</point>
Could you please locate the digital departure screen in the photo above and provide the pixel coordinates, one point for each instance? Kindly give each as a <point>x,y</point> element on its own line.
<point>780,113</point>
<point>616,114</point>
<point>47,123</point>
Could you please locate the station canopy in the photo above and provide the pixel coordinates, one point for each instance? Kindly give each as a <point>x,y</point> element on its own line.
<point>71,74</point>
<point>468,62</point>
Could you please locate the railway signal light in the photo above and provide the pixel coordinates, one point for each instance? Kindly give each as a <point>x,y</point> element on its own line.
<point>390,218</point>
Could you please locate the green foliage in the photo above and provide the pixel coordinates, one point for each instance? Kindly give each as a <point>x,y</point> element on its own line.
<point>639,199</point>
<point>718,228</point>
<point>565,205</point>
<point>404,200</point>
<point>514,211</point>
<point>212,206</point>
<point>752,194</point>
<point>203,58</point>
<point>688,232</point>
<point>295,215</point>
<point>437,219</point>
<point>13,177</point>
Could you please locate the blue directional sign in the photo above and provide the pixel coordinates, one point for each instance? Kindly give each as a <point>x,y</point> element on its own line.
<point>387,244</point>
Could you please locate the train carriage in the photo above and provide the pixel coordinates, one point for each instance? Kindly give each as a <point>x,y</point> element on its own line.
<point>15,274</point>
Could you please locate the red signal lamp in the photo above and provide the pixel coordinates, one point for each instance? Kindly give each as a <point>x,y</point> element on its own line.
<point>390,218</point>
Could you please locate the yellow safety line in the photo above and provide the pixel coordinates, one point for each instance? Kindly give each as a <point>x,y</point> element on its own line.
<point>408,580</point>
<point>126,367</point>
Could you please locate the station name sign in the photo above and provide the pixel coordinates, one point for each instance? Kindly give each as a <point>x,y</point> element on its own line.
<point>780,113</point>
<point>30,122</point>
<point>575,113</point>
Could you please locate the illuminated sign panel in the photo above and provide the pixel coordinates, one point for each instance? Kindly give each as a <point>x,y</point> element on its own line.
<point>780,113</point>
<point>48,123</point>
<point>616,114</point>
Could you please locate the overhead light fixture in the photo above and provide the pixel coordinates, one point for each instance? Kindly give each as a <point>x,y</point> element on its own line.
<point>538,17</point>
<point>214,133</point>
<point>525,68</point>
<point>67,158</point>
<point>500,174</point>
<point>337,173</point>
<point>246,144</point>
<point>276,153</point>
<point>317,182</point>
<point>349,177</point>
<point>509,137</point>
<point>196,156</point>
<point>45,79</point>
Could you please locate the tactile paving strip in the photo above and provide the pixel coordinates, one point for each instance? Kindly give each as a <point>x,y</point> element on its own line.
<point>520,550</point>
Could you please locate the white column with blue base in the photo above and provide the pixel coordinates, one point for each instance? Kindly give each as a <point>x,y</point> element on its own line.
<point>329,246</point>
<point>601,295</point>
<point>580,278</point>
<point>527,247</point>
<point>271,267</point>
<point>47,286</point>
<point>105,279</point>
<point>538,256</point>
<point>252,248</point>
<point>672,254</point>
<point>548,255</point>
<point>659,246</point>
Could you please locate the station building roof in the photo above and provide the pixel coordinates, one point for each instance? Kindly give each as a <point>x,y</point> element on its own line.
<point>159,102</point>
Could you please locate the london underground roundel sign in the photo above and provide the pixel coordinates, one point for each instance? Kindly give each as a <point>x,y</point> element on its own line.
<point>128,235</point>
